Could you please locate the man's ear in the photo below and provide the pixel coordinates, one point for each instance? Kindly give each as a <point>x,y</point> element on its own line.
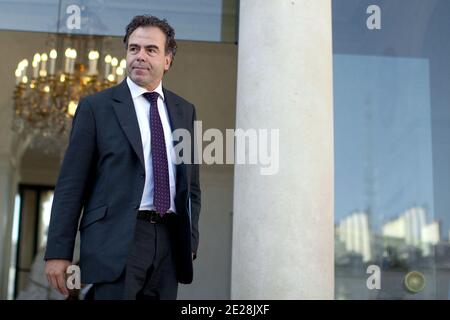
<point>168,61</point>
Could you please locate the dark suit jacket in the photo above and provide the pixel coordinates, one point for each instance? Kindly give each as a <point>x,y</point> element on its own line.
<point>103,174</point>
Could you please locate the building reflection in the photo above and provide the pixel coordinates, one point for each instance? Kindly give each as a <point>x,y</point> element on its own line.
<point>411,241</point>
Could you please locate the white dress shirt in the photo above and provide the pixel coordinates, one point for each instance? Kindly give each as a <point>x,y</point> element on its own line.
<point>142,107</point>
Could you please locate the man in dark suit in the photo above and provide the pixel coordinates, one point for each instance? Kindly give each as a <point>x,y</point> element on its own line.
<point>139,229</point>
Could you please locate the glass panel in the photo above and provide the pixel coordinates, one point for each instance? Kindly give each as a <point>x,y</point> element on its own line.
<point>203,20</point>
<point>391,97</point>
<point>29,15</point>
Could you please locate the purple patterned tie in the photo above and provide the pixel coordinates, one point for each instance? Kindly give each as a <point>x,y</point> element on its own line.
<point>161,194</point>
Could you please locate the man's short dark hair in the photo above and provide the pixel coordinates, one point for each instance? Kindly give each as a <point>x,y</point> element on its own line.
<point>152,21</point>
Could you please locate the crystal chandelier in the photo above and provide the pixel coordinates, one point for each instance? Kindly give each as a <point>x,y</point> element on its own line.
<point>45,98</point>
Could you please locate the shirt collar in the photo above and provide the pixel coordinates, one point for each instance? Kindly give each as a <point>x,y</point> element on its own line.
<point>137,91</point>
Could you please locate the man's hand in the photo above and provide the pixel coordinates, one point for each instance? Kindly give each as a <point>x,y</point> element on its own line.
<point>55,270</point>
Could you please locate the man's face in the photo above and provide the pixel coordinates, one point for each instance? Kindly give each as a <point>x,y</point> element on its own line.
<point>146,56</point>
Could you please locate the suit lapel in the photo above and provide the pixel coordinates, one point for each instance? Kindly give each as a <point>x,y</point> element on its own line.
<point>177,121</point>
<point>174,110</point>
<point>124,108</point>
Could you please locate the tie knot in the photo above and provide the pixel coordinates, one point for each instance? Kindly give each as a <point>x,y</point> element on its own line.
<point>152,97</point>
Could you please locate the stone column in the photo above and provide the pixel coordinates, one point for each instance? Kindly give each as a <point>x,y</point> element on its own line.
<point>283,234</point>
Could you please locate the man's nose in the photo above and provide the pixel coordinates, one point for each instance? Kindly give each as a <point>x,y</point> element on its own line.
<point>141,54</point>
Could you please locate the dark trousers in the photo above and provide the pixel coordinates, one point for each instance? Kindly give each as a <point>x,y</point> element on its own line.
<point>150,270</point>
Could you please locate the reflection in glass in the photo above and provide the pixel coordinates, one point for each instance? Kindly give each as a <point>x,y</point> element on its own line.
<point>384,175</point>
<point>392,156</point>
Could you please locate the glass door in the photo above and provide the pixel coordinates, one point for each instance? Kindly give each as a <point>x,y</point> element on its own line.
<point>392,156</point>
